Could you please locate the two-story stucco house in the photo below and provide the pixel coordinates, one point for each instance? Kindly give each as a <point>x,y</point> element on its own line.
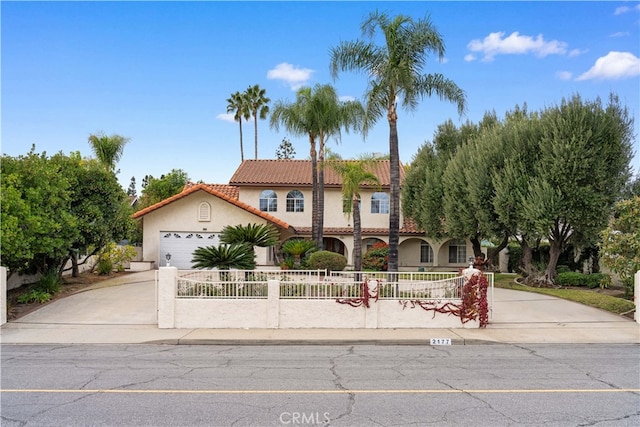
<point>279,192</point>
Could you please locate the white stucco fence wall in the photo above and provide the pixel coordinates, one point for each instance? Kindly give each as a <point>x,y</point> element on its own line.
<point>636,294</point>
<point>3,295</point>
<point>275,313</point>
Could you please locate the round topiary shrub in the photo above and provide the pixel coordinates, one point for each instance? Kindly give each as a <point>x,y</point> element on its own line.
<point>327,260</point>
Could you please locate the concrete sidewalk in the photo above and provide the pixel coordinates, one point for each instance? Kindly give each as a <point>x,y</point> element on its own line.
<point>123,311</point>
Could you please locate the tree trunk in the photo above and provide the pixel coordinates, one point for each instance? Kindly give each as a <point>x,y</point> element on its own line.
<point>526,264</point>
<point>477,245</point>
<point>75,272</point>
<point>241,147</point>
<point>555,249</point>
<point>394,192</point>
<point>357,235</point>
<point>255,119</point>
<point>314,188</point>
<point>320,213</point>
<point>492,253</point>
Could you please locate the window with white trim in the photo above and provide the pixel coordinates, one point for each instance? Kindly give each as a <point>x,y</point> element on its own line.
<point>380,203</point>
<point>268,201</point>
<point>457,252</point>
<point>295,201</point>
<point>426,252</point>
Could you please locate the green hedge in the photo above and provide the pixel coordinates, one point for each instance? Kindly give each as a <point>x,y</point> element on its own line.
<point>590,281</point>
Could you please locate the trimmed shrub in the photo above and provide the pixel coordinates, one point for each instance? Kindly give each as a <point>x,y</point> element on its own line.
<point>376,258</point>
<point>327,260</point>
<point>591,281</point>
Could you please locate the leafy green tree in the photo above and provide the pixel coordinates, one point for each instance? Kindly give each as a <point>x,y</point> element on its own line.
<point>237,104</point>
<point>585,151</point>
<point>99,205</point>
<point>354,175</point>
<point>320,114</point>
<point>131,191</point>
<point>108,149</point>
<point>285,150</point>
<point>224,257</point>
<point>37,224</point>
<point>395,73</point>
<point>632,188</point>
<point>620,246</point>
<point>257,104</point>
<point>156,190</point>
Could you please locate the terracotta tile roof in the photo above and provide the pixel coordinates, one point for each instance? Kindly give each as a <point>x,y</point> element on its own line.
<point>281,173</point>
<point>229,190</point>
<point>409,228</point>
<point>211,189</point>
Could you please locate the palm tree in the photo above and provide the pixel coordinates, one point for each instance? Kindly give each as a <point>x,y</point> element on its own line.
<point>108,149</point>
<point>298,248</point>
<point>224,257</point>
<point>320,114</point>
<point>257,104</point>
<point>354,174</point>
<point>395,72</point>
<point>263,235</point>
<point>237,105</point>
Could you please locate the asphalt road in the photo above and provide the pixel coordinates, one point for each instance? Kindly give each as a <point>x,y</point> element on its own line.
<point>215,385</point>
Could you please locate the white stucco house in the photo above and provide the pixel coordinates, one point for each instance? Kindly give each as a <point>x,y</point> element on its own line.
<point>279,192</point>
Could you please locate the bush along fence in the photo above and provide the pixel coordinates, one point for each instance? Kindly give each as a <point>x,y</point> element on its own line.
<point>318,299</point>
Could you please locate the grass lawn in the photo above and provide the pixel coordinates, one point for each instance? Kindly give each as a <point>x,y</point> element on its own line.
<point>585,296</point>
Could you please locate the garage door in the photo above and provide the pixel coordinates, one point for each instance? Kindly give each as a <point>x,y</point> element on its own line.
<point>181,246</point>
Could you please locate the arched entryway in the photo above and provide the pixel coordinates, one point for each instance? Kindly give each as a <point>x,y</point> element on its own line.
<point>334,245</point>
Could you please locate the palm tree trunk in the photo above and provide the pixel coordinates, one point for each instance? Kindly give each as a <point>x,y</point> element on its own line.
<point>314,188</point>
<point>241,148</point>
<point>320,213</point>
<point>255,131</point>
<point>394,192</point>
<point>357,235</point>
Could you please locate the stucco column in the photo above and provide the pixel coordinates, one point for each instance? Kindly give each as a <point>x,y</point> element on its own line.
<point>371,313</point>
<point>3,295</point>
<point>167,286</point>
<point>273,304</point>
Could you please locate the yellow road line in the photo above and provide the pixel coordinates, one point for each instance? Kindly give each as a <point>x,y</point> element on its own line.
<point>483,391</point>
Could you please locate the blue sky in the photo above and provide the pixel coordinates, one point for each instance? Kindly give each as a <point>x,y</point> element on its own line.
<point>159,73</point>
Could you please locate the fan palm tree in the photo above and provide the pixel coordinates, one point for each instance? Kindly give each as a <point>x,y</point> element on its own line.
<point>224,257</point>
<point>320,114</point>
<point>108,149</point>
<point>395,73</point>
<point>354,174</point>
<point>257,104</point>
<point>237,105</point>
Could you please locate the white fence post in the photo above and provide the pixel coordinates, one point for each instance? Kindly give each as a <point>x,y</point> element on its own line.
<point>167,279</point>
<point>273,304</point>
<point>3,295</point>
<point>636,294</point>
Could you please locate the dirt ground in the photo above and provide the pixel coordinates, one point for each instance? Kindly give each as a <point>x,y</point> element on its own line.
<point>70,285</point>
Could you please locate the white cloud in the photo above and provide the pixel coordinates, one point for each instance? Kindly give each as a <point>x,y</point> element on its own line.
<point>620,34</point>
<point>577,52</point>
<point>293,76</point>
<point>613,66</point>
<point>226,117</point>
<point>625,9</point>
<point>469,57</point>
<point>346,98</point>
<point>515,44</point>
<point>564,75</point>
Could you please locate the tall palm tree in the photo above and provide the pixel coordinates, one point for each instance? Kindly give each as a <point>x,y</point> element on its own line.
<point>108,149</point>
<point>237,105</point>
<point>395,73</point>
<point>257,104</point>
<point>354,174</point>
<point>318,113</point>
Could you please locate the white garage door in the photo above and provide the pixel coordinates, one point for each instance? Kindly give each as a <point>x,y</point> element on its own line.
<point>181,246</point>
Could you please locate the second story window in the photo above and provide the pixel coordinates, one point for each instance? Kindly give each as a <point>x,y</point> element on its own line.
<point>295,201</point>
<point>380,203</point>
<point>268,201</point>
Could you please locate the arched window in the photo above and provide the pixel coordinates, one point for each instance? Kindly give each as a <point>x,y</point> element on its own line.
<point>295,201</point>
<point>204,212</point>
<point>380,203</point>
<point>457,252</point>
<point>426,252</point>
<point>268,201</point>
